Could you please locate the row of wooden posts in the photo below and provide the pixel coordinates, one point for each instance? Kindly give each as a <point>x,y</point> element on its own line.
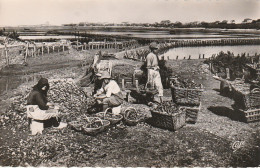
<point>187,43</point>
<point>36,50</point>
<point>104,45</point>
<point>200,57</point>
<point>33,50</point>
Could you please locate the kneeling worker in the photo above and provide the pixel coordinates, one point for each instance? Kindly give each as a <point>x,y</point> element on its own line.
<point>110,94</point>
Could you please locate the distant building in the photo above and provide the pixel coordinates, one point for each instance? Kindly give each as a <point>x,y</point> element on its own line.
<point>247,20</point>
<point>69,25</point>
<point>82,24</point>
<point>231,22</point>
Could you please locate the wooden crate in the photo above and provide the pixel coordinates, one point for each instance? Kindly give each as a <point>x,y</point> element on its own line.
<point>169,121</point>
<point>247,101</point>
<point>251,115</point>
<point>192,113</point>
<point>185,96</point>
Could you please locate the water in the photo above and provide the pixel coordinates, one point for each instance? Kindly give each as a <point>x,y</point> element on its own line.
<point>177,35</point>
<point>46,37</point>
<point>12,82</point>
<point>174,34</point>
<point>194,52</point>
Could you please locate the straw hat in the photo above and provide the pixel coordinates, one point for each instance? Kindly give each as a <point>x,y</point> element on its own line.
<point>153,45</point>
<point>105,75</point>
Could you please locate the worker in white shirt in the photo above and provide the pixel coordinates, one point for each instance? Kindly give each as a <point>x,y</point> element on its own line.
<point>110,94</point>
<point>154,77</point>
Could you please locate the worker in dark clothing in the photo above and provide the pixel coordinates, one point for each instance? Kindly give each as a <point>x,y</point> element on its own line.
<point>40,109</point>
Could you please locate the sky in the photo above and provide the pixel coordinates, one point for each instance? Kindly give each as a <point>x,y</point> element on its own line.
<point>57,12</point>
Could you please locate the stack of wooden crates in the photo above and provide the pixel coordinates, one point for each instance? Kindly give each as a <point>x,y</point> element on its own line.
<point>247,101</point>
<point>189,99</point>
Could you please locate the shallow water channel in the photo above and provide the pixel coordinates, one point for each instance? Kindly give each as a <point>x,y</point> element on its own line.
<point>12,82</point>
<point>208,51</point>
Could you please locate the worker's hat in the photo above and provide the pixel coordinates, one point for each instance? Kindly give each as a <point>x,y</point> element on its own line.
<point>153,45</point>
<point>98,74</point>
<point>105,75</point>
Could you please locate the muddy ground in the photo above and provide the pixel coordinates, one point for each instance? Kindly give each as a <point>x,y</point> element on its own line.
<point>218,138</point>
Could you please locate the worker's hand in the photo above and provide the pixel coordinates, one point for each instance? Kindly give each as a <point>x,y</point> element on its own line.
<point>98,92</point>
<point>102,96</point>
<point>51,105</point>
<point>56,107</point>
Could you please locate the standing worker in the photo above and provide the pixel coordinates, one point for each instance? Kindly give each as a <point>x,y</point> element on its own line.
<point>97,72</point>
<point>154,77</point>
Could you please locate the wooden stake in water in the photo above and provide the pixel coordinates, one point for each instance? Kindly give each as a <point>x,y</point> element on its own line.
<point>228,73</point>
<point>133,80</point>
<point>123,83</point>
<point>26,52</point>
<point>34,49</point>
<point>6,55</point>
<point>42,48</point>
<point>243,70</point>
<point>48,49</point>
<point>137,84</point>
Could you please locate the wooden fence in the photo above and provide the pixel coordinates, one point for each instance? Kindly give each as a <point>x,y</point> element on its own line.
<point>30,50</point>
<point>205,42</point>
<point>105,45</point>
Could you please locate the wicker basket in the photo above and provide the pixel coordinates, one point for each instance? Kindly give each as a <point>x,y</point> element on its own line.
<point>169,121</point>
<point>92,131</point>
<point>112,120</point>
<point>185,96</point>
<point>248,101</point>
<point>76,125</point>
<point>106,124</point>
<point>128,121</point>
<point>192,113</point>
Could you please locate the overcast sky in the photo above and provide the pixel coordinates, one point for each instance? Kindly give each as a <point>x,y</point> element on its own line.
<point>57,12</point>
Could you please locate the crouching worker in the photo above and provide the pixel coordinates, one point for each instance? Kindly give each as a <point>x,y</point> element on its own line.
<point>110,94</point>
<point>39,111</point>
